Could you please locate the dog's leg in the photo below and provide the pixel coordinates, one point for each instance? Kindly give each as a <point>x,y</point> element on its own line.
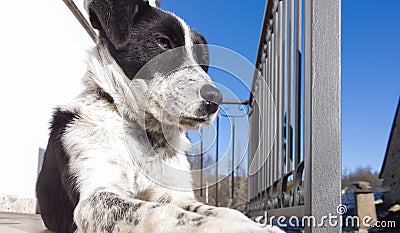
<point>198,207</point>
<point>107,212</point>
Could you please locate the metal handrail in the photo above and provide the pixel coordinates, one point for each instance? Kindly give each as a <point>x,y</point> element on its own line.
<point>82,20</point>
<point>295,103</point>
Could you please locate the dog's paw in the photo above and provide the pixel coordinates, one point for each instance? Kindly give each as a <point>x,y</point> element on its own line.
<point>222,225</point>
<point>272,229</point>
<point>227,213</point>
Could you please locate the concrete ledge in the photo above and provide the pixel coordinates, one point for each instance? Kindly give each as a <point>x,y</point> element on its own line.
<point>21,223</point>
<point>13,204</point>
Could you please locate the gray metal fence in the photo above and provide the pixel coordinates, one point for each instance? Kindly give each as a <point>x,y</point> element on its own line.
<point>295,120</point>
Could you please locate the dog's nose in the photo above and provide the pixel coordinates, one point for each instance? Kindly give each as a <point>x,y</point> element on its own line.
<point>212,96</point>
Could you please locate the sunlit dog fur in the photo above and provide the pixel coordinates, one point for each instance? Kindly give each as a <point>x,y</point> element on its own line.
<point>115,160</point>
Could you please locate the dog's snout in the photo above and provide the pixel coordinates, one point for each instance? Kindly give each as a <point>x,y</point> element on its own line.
<point>211,94</point>
<point>212,97</point>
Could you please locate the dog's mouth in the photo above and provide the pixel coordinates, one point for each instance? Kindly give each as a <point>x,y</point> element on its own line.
<point>186,119</point>
<point>192,123</point>
<point>193,119</point>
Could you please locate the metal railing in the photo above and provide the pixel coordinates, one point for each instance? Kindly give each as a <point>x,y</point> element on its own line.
<point>295,121</point>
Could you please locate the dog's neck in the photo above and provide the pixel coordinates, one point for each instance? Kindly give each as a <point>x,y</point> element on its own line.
<point>160,140</point>
<point>107,79</point>
<point>105,74</point>
<point>160,135</point>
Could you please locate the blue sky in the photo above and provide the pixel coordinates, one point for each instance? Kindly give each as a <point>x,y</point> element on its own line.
<point>370,78</point>
<point>370,63</point>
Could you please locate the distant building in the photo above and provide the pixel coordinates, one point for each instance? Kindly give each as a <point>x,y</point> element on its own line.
<point>390,172</point>
<point>155,3</point>
<point>40,159</point>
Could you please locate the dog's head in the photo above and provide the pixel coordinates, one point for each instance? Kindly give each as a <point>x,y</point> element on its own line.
<point>165,57</point>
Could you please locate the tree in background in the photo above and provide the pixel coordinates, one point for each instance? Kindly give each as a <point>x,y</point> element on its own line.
<point>225,185</point>
<point>365,174</point>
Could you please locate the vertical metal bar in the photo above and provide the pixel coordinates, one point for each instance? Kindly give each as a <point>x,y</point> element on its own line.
<point>273,125</point>
<point>253,146</point>
<point>216,161</point>
<point>282,83</point>
<point>270,102</point>
<point>258,155</point>
<point>259,172</point>
<point>266,109</point>
<point>255,117</point>
<point>298,82</point>
<point>307,110</point>
<point>285,85</point>
<point>275,87</point>
<point>201,162</point>
<point>253,131</point>
<point>290,83</point>
<point>265,168</point>
<point>278,90</point>
<point>233,158</point>
<point>258,137</point>
<point>322,125</point>
<point>207,192</point>
<point>249,155</point>
<point>263,110</point>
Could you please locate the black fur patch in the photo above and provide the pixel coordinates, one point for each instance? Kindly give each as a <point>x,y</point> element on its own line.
<point>104,95</point>
<point>130,29</point>
<point>198,221</point>
<point>55,187</point>
<point>197,208</point>
<point>181,215</point>
<point>109,209</point>
<point>181,220</point>
<point>187,208</point>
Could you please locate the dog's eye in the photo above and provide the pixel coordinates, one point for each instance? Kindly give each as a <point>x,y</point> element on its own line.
<point>164,43</point>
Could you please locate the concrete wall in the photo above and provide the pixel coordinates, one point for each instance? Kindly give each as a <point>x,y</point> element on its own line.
<point>390,170</point>
<point>392,175</point>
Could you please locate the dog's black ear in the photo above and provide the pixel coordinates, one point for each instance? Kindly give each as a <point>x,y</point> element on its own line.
<point>201,52</point>
<point>113,18</point>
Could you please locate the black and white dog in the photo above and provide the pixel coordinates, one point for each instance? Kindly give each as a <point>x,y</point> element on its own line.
<point>115,160</point>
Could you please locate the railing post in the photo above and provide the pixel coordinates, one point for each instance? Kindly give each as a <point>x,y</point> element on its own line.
<point>201,162</point>
<point>233,159</point>
<point>322,111</point>
<point>216,161</point>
